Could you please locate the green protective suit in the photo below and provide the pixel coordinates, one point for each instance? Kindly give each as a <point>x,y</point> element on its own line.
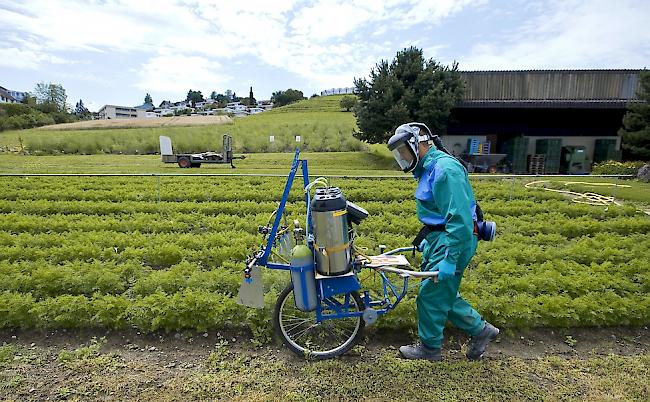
<point>444,196</point>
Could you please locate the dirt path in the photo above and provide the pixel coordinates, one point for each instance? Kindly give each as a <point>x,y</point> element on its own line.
<point>189,366</point>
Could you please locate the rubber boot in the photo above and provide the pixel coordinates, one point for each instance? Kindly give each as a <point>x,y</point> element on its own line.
<point>420,352</point>
<point>479,342</point>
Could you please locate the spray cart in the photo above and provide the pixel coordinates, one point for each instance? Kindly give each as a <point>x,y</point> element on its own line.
<point>322,313</point>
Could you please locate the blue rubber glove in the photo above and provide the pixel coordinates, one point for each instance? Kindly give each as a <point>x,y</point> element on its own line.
<point>445,270</point>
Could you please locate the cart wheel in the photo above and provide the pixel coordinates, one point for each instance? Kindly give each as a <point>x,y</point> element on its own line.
<point>303,336</point>
<point>184,162</point>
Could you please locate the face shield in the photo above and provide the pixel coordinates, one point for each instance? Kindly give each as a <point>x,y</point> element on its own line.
<point>403,145</point>
<point>405,156</point>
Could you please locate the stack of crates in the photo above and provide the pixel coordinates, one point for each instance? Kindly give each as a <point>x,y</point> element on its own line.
<point>476,147</point>
<point>517,152</point>
<point>552,149</point>
<point>473,146</point>
<point>536,164</point>
<point>605,150</point>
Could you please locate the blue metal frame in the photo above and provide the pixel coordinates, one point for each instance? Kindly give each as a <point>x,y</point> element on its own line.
<point>336,285</point>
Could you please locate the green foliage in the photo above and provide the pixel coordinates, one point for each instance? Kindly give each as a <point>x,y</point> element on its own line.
<point>615,167</point>
<point>81,111</point>
<point>194,96</point>
<point>348,102</point>
<point>51,95</point>
<point>282,98</point>
<point>106,254</point>
<point>19,116</point>
<point>16,116</point>
<point>147,99</point>
<point>410,88</point>
<point>636,122</point>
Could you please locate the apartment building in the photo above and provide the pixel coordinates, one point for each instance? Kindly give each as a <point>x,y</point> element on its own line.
<point>121,112</point>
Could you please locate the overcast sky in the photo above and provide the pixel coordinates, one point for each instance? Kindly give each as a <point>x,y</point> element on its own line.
<point>113,52</point>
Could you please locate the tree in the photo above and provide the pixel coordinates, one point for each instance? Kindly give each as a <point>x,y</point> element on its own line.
<point>251,98</point>
<point>81,111</point>
<point>229,95</point>
<point>348,102</point>
<point>147,99</point>
<point>410,88</point>
<point>636,122</point>
<point>214,95</point>
<point>194,96</point>
<point>52,96</point>
<point>281,98</point>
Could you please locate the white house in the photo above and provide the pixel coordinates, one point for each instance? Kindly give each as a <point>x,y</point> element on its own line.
<point>120,112</point>
<point>5,96</point>
<point>163,111</point>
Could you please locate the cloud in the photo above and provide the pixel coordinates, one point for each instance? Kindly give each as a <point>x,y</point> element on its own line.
<point>176,73</point>
<point>320,41</point>
<point>27,59</point>
<point>572,34</point>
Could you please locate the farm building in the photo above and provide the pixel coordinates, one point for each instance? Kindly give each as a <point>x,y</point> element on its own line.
<point>541,119</point>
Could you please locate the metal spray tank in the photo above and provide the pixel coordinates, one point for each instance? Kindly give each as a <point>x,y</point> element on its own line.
<point>331,237</point>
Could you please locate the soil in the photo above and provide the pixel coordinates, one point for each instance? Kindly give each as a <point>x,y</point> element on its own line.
<point>154,361</point>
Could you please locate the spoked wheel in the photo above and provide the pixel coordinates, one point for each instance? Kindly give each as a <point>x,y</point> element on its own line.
<point>305,337</point>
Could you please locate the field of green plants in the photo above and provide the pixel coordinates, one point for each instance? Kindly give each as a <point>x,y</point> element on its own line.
<point>115,252</point>
<point>322,125</point>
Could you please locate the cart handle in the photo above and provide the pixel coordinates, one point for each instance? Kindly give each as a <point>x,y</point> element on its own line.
<point>398,250</point>
<point>407,272</point>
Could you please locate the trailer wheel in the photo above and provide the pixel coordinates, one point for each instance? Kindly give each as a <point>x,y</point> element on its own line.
<point>184,162</point>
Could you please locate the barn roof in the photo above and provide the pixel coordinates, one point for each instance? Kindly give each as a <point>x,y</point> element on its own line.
<point>550,88</point>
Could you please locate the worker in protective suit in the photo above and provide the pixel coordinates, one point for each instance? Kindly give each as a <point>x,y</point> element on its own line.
<point>447,209</point>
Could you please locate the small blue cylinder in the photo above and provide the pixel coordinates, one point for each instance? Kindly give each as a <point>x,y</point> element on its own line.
<point>303,278</point>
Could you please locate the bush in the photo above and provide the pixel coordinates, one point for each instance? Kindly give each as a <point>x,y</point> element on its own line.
<point>16,116</point>
<point>614,167</point>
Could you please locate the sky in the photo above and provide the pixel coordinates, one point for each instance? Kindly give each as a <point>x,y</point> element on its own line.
<point>116,51</point>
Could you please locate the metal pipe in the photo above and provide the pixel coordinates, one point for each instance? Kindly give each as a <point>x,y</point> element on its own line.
<point>472,175</point>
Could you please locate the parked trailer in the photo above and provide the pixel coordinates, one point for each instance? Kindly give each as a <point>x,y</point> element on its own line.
<point>167,154</point>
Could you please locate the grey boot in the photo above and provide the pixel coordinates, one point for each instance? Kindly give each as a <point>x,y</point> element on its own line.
<point>420,351</point>
<point>479,342</point>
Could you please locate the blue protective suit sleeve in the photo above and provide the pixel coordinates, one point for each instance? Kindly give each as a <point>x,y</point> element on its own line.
<point>454,200</point>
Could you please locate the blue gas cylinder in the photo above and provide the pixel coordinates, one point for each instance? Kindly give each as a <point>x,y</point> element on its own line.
<point>303,278</point>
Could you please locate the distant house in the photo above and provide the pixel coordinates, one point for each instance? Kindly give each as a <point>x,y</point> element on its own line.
<point>19,96</point>
<point>165,105</point>
<point>204,103</point>
<point>163,111</point>
<point>265,104</point>
<point>148,107</point>
<point>120,112</point>
<point>5,96</point>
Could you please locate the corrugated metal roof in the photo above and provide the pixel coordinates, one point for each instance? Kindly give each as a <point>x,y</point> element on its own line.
<point>547,86</point>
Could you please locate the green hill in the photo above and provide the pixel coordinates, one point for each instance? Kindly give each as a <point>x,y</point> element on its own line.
<point>319,122</point>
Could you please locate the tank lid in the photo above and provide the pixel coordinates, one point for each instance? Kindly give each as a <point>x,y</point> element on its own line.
<point>328,199</point>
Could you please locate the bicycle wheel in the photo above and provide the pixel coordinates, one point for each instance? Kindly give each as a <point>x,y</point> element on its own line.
<point>301,333</point>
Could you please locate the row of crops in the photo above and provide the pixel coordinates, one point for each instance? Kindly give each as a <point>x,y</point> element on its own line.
<point>80,252</point>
